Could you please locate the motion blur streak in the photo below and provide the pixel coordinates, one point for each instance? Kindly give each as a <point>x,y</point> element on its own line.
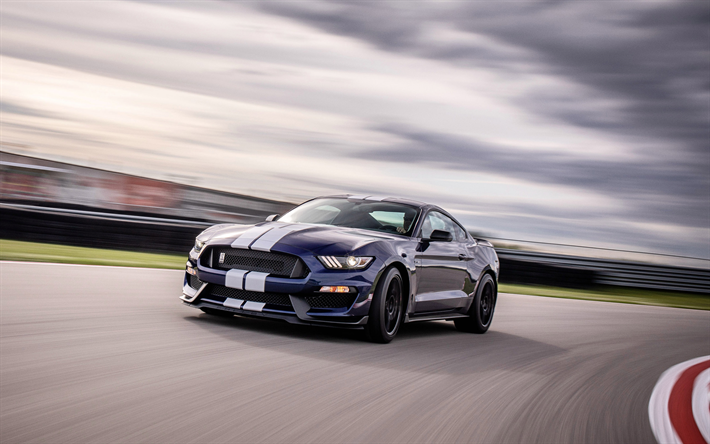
<point>98,354</point>
<point>570,122</point>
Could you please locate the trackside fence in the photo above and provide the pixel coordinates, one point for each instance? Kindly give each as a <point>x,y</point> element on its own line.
<point>528,267</point>
<point>53,202</point>
<point>160,234</point>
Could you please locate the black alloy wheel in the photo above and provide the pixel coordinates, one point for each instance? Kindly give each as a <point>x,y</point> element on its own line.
<point>485,307</point>
<point>386,309</point>
<point>480,314</point>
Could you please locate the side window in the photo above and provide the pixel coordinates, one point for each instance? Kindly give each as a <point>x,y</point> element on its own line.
<point>437,221</point>
<point>428,226</point>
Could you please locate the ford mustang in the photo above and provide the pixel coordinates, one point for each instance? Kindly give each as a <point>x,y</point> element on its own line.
<point>346,261</point>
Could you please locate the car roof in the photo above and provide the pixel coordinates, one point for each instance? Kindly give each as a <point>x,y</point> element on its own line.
<point>373,198</point>
<point>380,198</point>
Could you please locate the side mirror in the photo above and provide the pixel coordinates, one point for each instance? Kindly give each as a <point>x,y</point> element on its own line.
<point>441,236</point>
<point>272,218</point>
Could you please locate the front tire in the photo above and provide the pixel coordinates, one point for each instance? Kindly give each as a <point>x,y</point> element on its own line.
<point>480,315</point>
<point>386,309</point>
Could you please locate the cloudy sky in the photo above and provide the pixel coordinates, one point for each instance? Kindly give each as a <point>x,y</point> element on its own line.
<point>574,122</point>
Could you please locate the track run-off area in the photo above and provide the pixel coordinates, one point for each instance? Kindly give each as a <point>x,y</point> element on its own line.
<point>110,354</point>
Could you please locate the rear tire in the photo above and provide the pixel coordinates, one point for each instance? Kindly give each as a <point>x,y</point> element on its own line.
<point>219,313</point>
<point>387,308</point>
<point>480,315</point>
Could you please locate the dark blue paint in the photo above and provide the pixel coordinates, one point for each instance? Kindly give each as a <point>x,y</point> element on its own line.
<point>458,274</point>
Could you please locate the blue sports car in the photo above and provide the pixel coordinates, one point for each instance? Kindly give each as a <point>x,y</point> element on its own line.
<point>347,261</point>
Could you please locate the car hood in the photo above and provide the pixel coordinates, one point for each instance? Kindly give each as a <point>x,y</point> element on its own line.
<point>314,238</point>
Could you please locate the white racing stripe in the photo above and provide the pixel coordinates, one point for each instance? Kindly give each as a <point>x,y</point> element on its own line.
<point>255,281</point>
<point>268,240</point>
<point>246,238</point>
<point>701,403</point>
<point>257,238</point>
<point>376,198</point>
<point>253,306</point>
<point>357,197</point>
<point>246,280</point>
<point>235,279</point>
<point>233,303</point>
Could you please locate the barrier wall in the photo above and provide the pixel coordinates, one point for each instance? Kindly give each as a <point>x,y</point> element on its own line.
<point>32,181</point>
<point>45,201</point>
<point>585,272</point>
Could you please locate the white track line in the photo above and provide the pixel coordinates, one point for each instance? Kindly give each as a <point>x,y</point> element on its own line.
<point>701,403</point>
<point>658,405</point>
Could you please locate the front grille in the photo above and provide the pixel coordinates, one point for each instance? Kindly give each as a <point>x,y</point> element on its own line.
<point>276,264</point>
<point>281,299</point>
<point>194,282</point>
<point>335,300</point>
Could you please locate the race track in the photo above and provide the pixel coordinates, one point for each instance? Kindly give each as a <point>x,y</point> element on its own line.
<point>103,354</point>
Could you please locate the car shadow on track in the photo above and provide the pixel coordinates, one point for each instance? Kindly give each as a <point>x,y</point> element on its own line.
<point>426,347</point>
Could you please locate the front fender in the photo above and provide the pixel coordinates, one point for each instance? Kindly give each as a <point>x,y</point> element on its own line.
<point>409,276</point>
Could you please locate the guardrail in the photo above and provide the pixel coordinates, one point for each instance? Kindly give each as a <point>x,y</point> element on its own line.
<point>98,229</point>
<point>85,227</point>
<point>607,272</point>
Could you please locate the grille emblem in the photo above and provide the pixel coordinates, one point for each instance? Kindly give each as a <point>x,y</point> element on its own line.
<point>221,258</point>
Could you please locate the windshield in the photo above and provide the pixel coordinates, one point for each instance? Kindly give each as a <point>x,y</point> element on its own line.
<point>378,216</point>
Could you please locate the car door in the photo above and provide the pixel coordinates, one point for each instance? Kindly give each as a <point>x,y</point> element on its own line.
<point>441,266</point>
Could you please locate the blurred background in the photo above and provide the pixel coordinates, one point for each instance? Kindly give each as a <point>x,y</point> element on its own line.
<point>574,135</point>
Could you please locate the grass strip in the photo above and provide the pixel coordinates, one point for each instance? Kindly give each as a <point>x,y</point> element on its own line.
<point>616,294</point>
<point>38,252</point>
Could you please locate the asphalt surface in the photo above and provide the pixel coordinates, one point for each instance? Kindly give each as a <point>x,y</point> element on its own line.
<point>102,354</point>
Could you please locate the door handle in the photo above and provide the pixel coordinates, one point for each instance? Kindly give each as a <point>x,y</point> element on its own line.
<point>462,257</point>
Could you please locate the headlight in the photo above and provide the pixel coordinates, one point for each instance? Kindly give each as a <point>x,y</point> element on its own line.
<point>345,262</point>
<point>198,245</point>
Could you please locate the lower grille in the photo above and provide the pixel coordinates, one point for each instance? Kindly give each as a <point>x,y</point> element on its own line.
<point>336,300</point>
<point>281,299</point>
<point>194,282</point>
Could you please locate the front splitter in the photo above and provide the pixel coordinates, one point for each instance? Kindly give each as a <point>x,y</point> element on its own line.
<point>290,318</point>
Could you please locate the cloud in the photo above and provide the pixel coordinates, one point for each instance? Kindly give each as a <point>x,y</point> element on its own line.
<point>637,70</point>
<point>593,117</point>
<point>649,58</point>
<point>13,108</point>
<point>648,189</point>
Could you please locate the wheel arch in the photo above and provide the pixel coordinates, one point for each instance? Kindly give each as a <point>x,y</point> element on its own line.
<point>406,280</point>
<point>487,270</point>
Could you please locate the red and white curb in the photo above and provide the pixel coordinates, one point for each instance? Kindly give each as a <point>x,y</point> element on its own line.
<point>679,409</point>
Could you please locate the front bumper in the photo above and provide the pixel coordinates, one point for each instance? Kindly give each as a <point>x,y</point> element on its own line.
<point>283,316</point>
<point>210,286</point>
